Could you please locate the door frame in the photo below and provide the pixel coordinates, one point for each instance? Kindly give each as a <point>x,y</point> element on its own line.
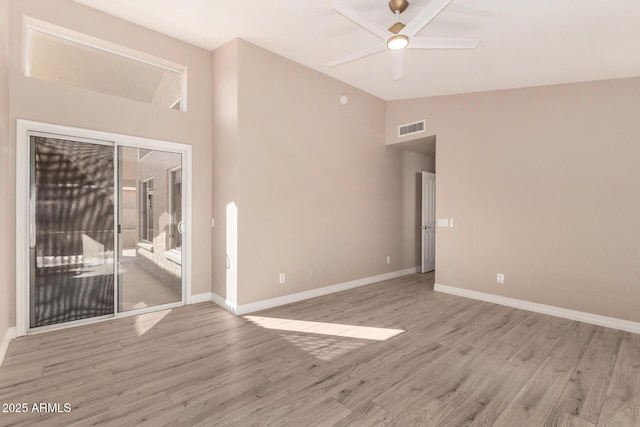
<point>24,130</point>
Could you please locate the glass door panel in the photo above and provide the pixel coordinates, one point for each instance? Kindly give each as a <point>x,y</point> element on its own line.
<point>150,260</point>
<point>71,231</point>
<point>175,205</point>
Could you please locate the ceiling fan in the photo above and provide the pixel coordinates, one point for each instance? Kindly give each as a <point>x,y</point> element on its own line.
<point>400,36</point>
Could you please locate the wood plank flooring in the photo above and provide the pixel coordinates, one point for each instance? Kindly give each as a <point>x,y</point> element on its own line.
<point>454,362</point>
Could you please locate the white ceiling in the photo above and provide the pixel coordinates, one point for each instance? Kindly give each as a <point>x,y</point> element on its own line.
<point>524,43</point>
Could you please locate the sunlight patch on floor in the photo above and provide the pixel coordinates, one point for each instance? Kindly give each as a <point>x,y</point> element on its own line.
<point>144,322</point>
<point>322,328</point>
<point>325,348</point>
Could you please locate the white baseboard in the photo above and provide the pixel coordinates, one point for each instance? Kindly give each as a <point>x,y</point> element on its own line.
<point>207,296</point>
<point>217,299</point>
<point>227,305</point>
<point>300,296</point>
<point>4,346</point>
<point>581,316</point>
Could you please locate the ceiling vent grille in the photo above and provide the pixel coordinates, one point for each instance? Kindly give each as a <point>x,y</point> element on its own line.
<point>411,128</point>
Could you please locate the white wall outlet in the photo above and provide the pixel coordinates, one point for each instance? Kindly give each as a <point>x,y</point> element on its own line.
<point>388,260</point>
<point>500,278</point>
<point>213,222</point>
<point>312,272</point>
<point>450,222</point>
<point>281,278</point>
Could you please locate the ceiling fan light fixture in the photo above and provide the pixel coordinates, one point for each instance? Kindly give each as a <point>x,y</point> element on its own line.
<point>398,42</point>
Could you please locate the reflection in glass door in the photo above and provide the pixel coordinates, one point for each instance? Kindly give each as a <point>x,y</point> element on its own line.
<point>146,210</point>
<point>150,213</point>
<point>175,206</point>
<point>71,242</point>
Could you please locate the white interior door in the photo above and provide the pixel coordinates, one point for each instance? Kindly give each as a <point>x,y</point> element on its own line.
<point>428,226</point>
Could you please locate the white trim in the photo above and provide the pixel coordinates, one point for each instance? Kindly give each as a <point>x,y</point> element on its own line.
<point>4,346</point>
<point>116,226</point>
<point>26,128</point>
<point>22,227</point>
<point>224,303</point>
<point>204,297</point>
<point>581,316</point>
<point>33,24</point>
<point>300,296</point>
<point>187,215</point>
<point>48,28</point>
<point>145,310</point>
<point>221,302</point>
<point>71,324</point>
<point>101,319</point>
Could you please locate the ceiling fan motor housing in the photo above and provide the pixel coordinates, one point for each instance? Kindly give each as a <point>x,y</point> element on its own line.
<point>398,5</point>
<point>395,28</point>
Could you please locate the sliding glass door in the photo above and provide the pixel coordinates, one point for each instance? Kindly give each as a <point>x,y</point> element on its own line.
<point>72,231</point>
<point>105,229</point>
<point>149,216</point>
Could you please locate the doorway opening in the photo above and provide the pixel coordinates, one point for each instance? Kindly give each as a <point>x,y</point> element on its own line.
<point>428,227</point>
<point>425,213</point>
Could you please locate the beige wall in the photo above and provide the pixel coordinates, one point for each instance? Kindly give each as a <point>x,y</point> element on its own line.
<point>225,159</point>
<point>336,205</point>
<point>7,244</point>
<point>543,185</point>
<point>541,181</point>
<point>56,103</point>
<point>318,189</point>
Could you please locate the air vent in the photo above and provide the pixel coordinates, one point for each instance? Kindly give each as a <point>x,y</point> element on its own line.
<point>411,128</point>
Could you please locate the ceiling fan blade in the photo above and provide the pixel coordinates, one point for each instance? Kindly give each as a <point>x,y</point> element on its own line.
<point>397,64</point>
<point>424,17</point>
<point>357,55</point>
<point>442,43</point>
<point>361,20</point>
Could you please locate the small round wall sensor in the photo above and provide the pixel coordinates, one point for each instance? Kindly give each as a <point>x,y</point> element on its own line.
<point>344,99</point>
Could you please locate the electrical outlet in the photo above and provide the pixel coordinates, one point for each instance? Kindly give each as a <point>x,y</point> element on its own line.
<point>282,278</point>
<point>500,278</point>
<point>312,272</point>
<point>388,260</point>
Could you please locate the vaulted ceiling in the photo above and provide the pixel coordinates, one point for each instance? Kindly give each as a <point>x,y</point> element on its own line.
<point>524,43</point>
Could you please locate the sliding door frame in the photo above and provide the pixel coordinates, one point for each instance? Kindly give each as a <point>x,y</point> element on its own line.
<point>25,129</point>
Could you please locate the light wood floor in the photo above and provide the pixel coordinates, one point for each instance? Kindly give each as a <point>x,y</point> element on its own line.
<point>458,362</point>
